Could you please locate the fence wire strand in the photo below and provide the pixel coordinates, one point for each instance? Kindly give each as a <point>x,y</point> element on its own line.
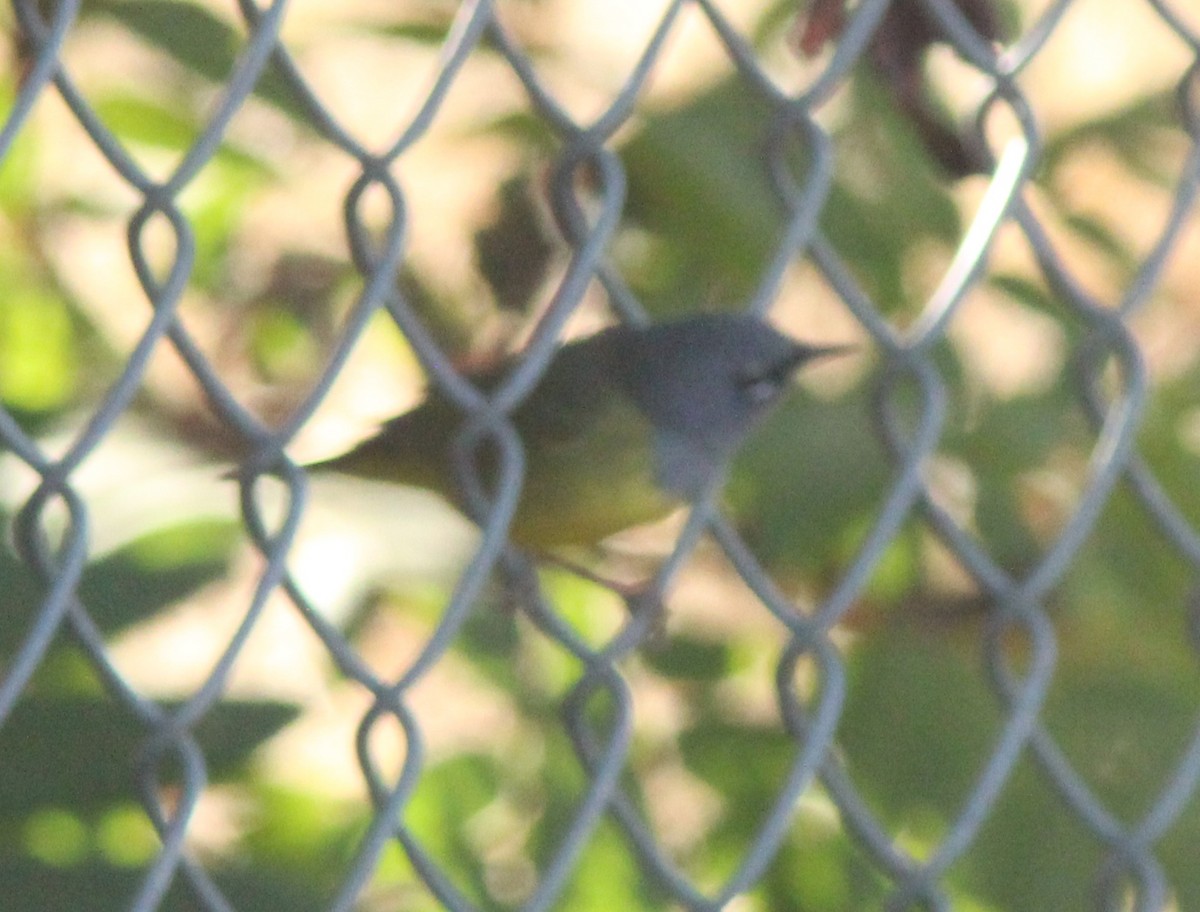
<point>1131,877</point>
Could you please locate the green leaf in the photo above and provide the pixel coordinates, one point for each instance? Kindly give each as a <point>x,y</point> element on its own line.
<point>156,571</point>
<point>34,886</point>
<point>606,877</point>
<point>198,40</point>
<point>81,752</point>
<point>450,794</point>
<point>297,840</point>
<point>918,724</point>
<point>37,349</point>
<point>19,168</point>
<point>697,183</point>
<point>807,478</point>
<point>1144,135</point>
<point>683,657</point>
<point>750,774</point>
<point>513,250</point>
<point>23,596</point>
<point>1100,235</point>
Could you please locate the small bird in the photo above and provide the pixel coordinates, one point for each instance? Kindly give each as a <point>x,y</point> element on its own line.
<point>625,425</point>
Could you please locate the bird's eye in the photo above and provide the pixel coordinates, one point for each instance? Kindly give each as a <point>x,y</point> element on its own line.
<point>758,386</point>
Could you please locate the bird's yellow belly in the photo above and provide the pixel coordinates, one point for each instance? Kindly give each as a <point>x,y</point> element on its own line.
<point>551,515</point>
<point>584,490</point>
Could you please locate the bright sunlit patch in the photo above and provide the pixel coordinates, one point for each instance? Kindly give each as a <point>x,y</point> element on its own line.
<point>1189,431</point>
<point>56,837</point>
<point>1102,57</point>
<point>126,837</point>
<point>1029,360</point>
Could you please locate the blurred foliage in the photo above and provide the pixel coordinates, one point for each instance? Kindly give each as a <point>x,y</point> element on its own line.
<point>701,223</point>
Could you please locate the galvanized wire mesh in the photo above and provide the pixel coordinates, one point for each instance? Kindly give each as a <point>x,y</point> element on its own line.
<point>1017,602</point>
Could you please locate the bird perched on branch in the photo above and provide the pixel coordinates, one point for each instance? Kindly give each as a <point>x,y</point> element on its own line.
<point>625,425</point>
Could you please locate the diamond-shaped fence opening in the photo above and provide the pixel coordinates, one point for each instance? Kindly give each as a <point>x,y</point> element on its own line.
<point>927,642</point>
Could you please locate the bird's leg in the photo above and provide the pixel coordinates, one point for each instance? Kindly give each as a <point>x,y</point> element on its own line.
<point>622,589</point>
<point>642,598</point>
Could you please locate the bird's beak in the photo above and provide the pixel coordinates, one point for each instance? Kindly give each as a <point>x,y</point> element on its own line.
<point>806,353</point>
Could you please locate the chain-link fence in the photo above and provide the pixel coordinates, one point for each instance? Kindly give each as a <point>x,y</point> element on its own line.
<point>813,810</point>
